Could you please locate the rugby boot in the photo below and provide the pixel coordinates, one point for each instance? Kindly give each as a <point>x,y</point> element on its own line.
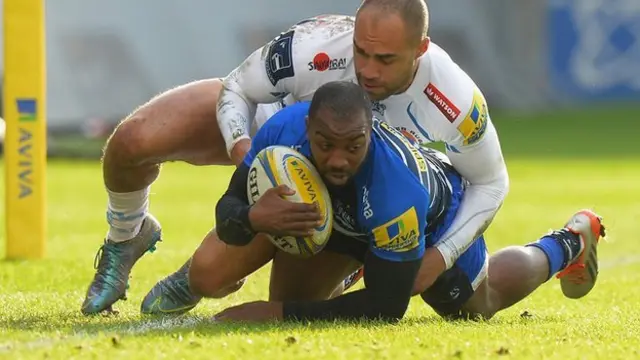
<point>171,295</point>
<point>113,265</point>
<point>579,277</point>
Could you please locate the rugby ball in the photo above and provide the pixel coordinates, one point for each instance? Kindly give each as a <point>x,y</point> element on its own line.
<point>281,165</point>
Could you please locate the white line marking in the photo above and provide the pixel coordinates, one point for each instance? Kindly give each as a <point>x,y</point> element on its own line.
<point>137,329</point>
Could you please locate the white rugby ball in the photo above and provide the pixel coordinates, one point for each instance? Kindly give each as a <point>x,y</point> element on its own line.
<point>281,165</point>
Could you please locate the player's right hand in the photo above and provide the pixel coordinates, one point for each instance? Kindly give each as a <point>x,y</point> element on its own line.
<point>274,215</point>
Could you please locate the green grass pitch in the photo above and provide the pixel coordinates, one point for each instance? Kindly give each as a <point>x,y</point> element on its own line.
<point>559,162</point>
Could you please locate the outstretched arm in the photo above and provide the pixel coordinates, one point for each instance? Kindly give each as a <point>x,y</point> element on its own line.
<point>482,164</point>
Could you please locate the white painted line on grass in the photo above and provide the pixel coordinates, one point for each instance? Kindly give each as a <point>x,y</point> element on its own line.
<point>137,329</point>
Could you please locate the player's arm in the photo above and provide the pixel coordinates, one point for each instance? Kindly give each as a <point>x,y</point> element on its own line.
<point>476,154</point>
<point>237,222</point>
<point>386,295</point>
<point>390,269</point>
<point>233,224</point>
<point>232,211</point>
<point>264,77</point>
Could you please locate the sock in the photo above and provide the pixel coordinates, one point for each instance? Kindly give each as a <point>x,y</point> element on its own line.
<point>560,247</point>
<point>125,214</point>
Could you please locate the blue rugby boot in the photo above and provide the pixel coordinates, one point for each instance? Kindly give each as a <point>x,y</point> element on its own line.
<point>171,295</point>
<point>114,263</point>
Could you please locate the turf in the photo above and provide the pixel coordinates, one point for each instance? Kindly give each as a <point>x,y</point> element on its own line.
<point>558,163</point>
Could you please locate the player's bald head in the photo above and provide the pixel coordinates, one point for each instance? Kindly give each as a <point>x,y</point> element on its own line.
<point>414,14</point>
<point>341,102</point>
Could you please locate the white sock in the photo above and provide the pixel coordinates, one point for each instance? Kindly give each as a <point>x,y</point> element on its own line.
<point>125,214</point>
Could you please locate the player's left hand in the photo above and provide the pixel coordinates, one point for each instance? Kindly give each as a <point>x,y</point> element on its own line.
<point>256,311</point>
<point>432,266</point>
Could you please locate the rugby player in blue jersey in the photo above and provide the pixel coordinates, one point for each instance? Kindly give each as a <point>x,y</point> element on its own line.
<point>392,201</point>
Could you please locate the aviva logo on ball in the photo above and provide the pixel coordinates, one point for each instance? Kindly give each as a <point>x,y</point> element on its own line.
<point>306,183</point>
<point>281,165</point>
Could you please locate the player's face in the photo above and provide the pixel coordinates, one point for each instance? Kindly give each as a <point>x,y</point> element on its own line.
<point>384,57</point>
<point>338,147</point>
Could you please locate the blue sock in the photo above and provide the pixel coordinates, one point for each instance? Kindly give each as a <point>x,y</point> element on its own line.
<point>554,251</point>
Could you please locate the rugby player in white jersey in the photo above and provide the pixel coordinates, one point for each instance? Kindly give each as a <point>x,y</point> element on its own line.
<point>415,86</point>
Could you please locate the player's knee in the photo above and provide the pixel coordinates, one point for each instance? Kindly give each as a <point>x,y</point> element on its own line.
<point>202,276</point>
<point>483,304</point>
<point>450,295</point>
<point>126,145</point>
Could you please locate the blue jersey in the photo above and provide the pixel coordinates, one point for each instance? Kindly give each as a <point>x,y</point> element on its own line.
<point>398,202</point>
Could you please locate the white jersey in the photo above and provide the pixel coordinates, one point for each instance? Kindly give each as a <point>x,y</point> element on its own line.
<point>442,104</point>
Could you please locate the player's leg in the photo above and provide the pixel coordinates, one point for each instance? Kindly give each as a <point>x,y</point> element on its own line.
<point>172,293</point>
<point>178,125</point>
<point>454,287</point>
<point>292,278</point>
<point>214,271</point>
<point>516,271</point>
<point>317,277</point>
<point>218,269</point>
